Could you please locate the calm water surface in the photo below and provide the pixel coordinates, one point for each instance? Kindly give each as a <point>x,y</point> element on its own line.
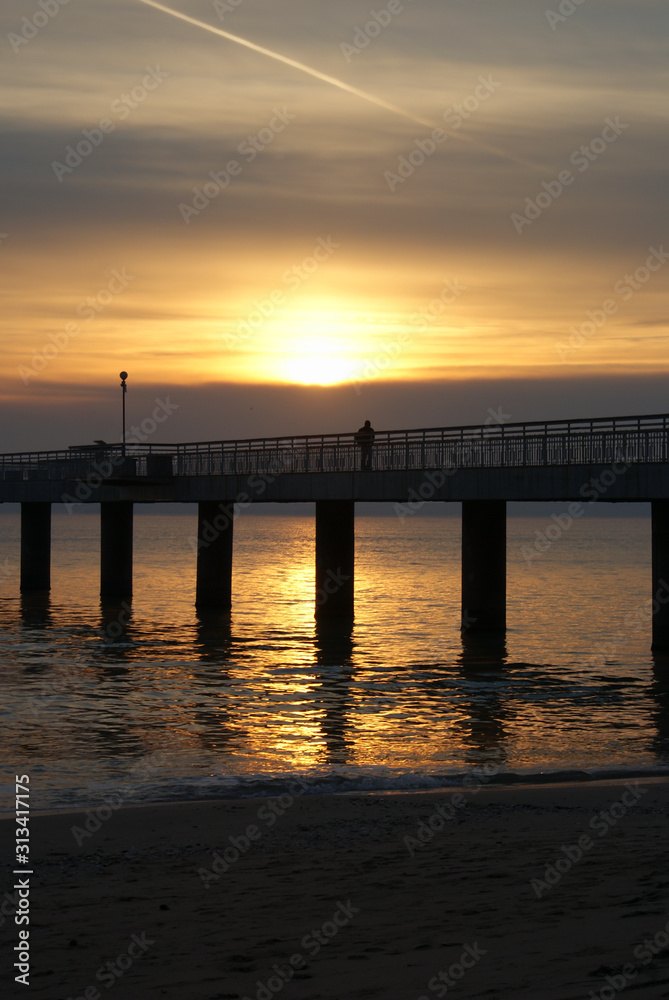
<point>153,702</point>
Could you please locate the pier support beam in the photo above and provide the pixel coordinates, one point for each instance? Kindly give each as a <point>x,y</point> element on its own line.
<point>214,555</point>
<point>335,558</point>
<point>35,546</point>
<point>483,565</point>
<point>660,572</point>
<point>116,548</point>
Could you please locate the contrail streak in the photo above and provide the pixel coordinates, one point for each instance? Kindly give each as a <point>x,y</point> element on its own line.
<point>325,78</point>
<point>291,62</point>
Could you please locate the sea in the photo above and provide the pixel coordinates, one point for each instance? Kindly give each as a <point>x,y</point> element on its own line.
<point>147,701</point>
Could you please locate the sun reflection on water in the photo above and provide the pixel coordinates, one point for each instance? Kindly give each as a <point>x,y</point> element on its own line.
<point>266,691</point>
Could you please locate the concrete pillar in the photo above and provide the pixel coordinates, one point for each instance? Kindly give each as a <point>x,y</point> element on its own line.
<point>660,573</point>
<point>335,557</point>
<point>116,548</point>
<point>35,546</point>
<point>214,555</point>
<point>483,565</point>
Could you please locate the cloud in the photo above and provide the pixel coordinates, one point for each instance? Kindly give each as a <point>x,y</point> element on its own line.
<point>325,174</point>
<point>65,414</point>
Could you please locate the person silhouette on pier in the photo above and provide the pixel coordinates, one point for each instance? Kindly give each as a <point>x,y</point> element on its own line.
<point>364,437</point>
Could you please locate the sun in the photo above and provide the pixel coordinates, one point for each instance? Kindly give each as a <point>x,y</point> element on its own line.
<point>314,348</point>
<point>318,361</point>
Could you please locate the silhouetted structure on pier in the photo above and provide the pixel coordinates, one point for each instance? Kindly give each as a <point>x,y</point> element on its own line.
<point>618,459</point>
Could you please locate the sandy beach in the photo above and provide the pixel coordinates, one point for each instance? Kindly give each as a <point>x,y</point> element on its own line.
<point>551,891</point>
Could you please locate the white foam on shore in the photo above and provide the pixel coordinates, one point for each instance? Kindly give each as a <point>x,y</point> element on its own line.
<point>264,786</point>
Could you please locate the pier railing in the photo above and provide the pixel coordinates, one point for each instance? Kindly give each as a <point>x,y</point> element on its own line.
<point>627,440</point>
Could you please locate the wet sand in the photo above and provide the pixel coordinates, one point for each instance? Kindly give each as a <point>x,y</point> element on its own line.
<point>398,896</point>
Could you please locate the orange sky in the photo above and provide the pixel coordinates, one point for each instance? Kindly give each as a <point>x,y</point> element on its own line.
<point>520,235</point>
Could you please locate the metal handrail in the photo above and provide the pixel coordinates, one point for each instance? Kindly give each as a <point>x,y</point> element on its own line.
<point>535,443</point>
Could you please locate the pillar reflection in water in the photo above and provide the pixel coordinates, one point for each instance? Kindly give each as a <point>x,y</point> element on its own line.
<point>116,631</point>
<point>36,610</point>
<point>482,662</point>
<point>213,635</point>
<point>215,726</point>
<point>334,660</point>
<point>659,692</point>
<point>118,644</point>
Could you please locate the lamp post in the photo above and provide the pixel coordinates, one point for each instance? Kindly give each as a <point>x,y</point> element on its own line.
<point>123,376</point>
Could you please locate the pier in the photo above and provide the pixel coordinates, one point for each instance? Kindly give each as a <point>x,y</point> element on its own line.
<point>607,460</point>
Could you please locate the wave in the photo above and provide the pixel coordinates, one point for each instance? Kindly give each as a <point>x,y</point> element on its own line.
<point>294,784</point>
